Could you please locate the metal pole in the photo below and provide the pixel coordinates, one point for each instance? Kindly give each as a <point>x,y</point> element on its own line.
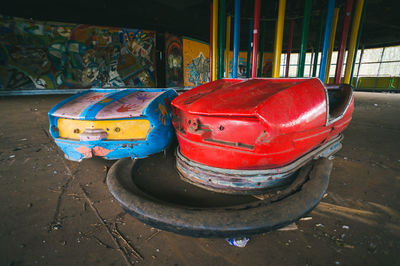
<point>289,49</point>
<point>321,27</point>
<point>331,43</point>
<point>325,44</point>
<point>221,38</point>
<point>360,29</point>
<point>359,65</point>
<point>249,49</point>
<point>343,40</point>
<point>215,29</point>
<point>211,44</point>
<point>236,29</point>
<point>256,29</point>
<point>379,67</point>
<point>353,40</point>
<point>262,45</point>
<point>278,39</point>
<point>311,60</point>
<point>304,38</point>
<point>228,45</point>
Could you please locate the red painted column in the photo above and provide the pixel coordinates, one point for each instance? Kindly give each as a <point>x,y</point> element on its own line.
<point>256,30</point>
<point>289,48</point>
<point>343,40</point>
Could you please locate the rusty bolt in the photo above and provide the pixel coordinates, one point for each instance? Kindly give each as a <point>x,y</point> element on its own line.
<point>117,129</point>
<point>194,126</point>
<point>76,131</point>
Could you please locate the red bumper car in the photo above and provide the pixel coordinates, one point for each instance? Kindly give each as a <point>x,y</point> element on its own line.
<point>248,135</point>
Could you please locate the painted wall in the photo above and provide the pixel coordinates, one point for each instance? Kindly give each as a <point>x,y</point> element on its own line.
<point>374,83</point>
<point>267,64</point>
<point>196,60</point>
<point>388,83</point>
<point>50,55</point>
<point>174,60</point>
<point>196,63</point>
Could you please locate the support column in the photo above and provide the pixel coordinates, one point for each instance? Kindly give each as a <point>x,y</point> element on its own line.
<point>249,49</point>
<point>215,29</point>
<point>211,44</point>
<point>256,30</point>
<point>343,40</point>
<point>358,41</point>
<point>321,28</point>
<point>331,43</point>
<point>236,30</point>
<point>304,38</point>
<point>325,44</point>
<point>221,38</point>
<point>359,65</point>
<point>278,39</point>
<point>289,48</point>
<point>353,40</point>
<point>228,45</point>
<point>262,45</point>
<point>311,61</point>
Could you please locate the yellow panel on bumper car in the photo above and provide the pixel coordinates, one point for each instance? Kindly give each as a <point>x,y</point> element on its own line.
<point>113,123</point>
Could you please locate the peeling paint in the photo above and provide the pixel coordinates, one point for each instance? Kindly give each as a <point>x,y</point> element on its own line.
<point>85,151</point>
<point>100,151</point>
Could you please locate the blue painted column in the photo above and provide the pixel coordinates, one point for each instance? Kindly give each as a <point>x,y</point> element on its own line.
<point>249,49</point>
<point>236,29</point>
<point>325,45</point>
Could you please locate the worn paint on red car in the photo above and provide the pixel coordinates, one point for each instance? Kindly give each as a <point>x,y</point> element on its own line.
<point>257,123</point>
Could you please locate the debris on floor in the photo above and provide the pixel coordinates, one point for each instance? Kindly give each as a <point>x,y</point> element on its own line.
<point>32,198</point>
<point>290,227</point>
<point>307,218</point>
<point>239,242</point>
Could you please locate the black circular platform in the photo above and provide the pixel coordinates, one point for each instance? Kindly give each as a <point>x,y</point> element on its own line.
<point>151,190</point>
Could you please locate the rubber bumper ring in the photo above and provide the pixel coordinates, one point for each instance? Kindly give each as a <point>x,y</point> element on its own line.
<point>241,220</point>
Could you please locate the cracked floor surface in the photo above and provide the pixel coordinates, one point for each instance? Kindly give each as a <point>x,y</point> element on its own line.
<point>57,212</point>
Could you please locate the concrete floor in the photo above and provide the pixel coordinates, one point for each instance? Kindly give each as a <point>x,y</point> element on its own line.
<point>46,219</point>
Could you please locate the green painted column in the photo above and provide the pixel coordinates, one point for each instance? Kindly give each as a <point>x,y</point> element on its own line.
<point>317,46</point>
<point>221,39</point>
<point>304,38</point>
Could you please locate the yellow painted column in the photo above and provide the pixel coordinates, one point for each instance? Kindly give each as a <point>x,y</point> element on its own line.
<point>353,40</point>
<point>331,43</point>
<point>215,37</point>
<point>228,45</point>
<point>278,39</point>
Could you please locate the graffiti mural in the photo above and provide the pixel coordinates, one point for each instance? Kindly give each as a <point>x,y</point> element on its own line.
<point>267,64</point>
<point>242,64</point>
<point>198,70</point>
<point>196,62</point>
<point>174,61</point>
<point>51,55</point>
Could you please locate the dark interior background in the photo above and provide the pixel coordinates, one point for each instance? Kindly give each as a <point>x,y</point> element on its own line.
<point>191,17</point>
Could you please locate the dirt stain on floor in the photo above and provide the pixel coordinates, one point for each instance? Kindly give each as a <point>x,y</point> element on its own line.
<point>57,212</point>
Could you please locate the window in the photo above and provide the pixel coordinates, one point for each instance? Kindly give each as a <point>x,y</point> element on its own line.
<point>376,62</point>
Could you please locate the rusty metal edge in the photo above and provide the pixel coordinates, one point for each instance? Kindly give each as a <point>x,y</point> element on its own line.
<point>259,217</point>
<point>232,181</point>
